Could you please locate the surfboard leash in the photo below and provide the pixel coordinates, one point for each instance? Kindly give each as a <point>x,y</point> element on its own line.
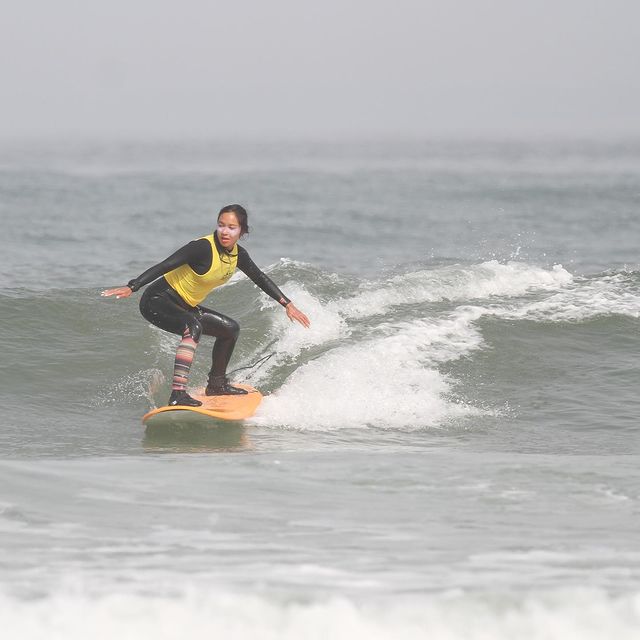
<point>257,363</point>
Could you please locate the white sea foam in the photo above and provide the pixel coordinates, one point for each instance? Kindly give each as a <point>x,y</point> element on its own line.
<point>456,283</point>
<point>327,324</point>
<point>141,384</point>
<point>577,614</point>
<point>390,377</point>
<point>585,299</point>
<point>386,381</point>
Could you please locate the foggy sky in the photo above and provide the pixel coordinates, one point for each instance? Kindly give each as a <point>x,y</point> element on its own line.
<point>275,68</point>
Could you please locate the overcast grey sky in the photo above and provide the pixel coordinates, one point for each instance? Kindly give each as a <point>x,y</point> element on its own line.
<point>271,68</point>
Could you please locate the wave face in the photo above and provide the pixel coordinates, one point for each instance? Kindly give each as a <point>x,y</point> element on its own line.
<point>425,349</point>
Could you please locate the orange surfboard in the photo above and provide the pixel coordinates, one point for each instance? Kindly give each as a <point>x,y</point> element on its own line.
<point>217,407</point>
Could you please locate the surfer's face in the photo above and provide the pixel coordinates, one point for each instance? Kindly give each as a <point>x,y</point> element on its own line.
<point>228,229</point>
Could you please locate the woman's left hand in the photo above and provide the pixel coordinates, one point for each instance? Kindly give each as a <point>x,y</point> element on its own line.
<point>295,314</point>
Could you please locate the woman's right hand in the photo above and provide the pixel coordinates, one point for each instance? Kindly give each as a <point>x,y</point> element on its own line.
<point>118,292</point>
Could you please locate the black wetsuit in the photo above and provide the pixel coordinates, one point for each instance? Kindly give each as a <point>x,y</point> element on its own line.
<point>164,307</point>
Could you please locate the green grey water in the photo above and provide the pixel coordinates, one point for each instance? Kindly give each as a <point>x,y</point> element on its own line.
<point>456,436</point>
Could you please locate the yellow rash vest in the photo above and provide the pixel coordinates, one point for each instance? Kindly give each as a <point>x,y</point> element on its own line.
<point>194,288</point>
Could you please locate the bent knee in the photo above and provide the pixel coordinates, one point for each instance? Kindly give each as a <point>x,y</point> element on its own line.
<point>224,328</point>
<point>194,327</point>
<point>219,326</point>
<point>233,328</point>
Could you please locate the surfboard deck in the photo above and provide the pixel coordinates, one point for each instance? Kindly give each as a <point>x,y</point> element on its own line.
<point>213,407</point>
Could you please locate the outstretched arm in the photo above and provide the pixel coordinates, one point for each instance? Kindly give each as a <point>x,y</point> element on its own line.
<point>194,252</point>
<point>262,280</point>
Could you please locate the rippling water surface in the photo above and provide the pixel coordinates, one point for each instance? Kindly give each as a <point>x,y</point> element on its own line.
<point>451,451</point>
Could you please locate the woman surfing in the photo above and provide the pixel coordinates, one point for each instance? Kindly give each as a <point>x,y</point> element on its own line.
<point>182,281</point>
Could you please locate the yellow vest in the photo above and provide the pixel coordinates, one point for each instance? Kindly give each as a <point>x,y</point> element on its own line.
<point>194,288</point>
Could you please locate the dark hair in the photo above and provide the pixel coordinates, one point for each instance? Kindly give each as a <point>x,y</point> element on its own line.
<point>241,214</point>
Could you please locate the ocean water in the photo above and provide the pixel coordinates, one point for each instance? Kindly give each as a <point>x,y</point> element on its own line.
<point>452,450</point>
